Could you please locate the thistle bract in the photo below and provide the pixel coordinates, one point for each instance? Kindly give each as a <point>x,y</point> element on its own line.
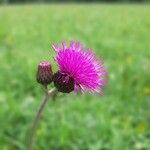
<point>63,82</point>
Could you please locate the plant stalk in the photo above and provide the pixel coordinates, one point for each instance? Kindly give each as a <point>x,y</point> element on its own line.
<point>48,94</point>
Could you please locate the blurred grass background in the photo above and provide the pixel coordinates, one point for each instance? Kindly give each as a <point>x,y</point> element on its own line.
<point>119,120</point>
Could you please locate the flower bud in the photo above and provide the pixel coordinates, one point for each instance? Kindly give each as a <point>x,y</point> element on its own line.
<point>44,73</point>
<point>63,82</point>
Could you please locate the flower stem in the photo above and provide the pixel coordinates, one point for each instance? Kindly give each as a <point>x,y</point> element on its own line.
<point>48,94</point>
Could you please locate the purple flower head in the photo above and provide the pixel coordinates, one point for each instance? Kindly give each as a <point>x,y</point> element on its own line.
<point>81,65</point>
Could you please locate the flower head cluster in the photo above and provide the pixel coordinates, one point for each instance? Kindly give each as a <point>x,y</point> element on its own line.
<point>78,69</point>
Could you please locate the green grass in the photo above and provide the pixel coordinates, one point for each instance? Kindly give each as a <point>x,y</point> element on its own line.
<point>119,34</point>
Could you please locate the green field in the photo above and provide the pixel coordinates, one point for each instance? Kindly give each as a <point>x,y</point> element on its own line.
<point>119,120</point>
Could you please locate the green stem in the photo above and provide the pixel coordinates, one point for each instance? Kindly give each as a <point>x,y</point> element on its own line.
<point>48,94</point>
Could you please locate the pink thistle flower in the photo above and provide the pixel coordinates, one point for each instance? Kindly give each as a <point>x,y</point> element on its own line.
<point>85,70</point>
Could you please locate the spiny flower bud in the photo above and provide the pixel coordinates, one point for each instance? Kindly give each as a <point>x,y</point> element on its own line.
<point>44,73</point>
<point>63,82</point>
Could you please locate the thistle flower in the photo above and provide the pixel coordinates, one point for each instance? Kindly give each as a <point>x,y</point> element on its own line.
<point>44,73</point>
<point>79,69</point>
